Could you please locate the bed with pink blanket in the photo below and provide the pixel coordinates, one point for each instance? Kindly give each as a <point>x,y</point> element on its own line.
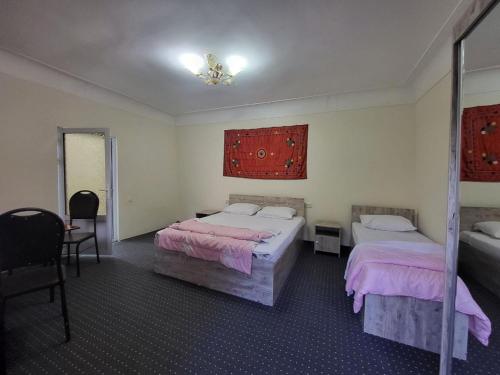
<point>230,246</point>
<point>399,279</point>
<point>246,256</point>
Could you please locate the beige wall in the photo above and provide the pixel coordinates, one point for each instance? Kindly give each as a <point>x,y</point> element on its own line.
<point>147,165</point>
<point>393,155</point>
<point>480,194</point>
<point>487,98</point>
<point>432,115</point>
<point>354,157</point>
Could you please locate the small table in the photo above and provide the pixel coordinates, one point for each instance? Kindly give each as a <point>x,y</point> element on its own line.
<point>328,236</point>
<point>205,213</point>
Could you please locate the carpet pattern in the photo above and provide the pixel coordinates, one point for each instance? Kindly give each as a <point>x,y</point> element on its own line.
<point>127,320</point>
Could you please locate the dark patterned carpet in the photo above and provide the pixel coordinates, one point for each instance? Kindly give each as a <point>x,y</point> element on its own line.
<point>127,320</point>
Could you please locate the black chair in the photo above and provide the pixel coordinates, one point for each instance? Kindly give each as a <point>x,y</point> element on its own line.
<point>82,205</point>
<point>31,241</point>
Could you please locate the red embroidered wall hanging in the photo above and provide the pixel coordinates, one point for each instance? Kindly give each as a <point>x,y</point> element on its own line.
<point>481,144</point>
<point>278,153</point>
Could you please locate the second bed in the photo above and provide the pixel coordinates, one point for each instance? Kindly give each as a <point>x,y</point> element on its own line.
<point>479,253</point>
<point>398,277</point>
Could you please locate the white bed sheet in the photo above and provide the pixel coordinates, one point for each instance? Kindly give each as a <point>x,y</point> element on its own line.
<point>284,230</point>
<point>483,242</point>
<point>361,234</point>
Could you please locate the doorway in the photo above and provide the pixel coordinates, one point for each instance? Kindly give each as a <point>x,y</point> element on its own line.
<point>86,161</point>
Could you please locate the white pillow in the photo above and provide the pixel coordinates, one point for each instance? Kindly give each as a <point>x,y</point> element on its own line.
<point>242,208</point>
<point>277,212</point>
<point>491,228</point>
<point>387,222</point>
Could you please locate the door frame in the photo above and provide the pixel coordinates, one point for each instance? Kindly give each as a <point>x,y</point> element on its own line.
<point>114,188</point>
<point>109,168</point>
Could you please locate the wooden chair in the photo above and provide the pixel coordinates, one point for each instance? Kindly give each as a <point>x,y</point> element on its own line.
<point>84,204</point>
<point>31,241</point>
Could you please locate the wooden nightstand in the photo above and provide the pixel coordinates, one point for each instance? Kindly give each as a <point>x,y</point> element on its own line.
<point>204,213</point>
<point>328,237</point>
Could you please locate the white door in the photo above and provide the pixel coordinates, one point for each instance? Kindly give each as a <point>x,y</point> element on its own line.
<point>85,163</point>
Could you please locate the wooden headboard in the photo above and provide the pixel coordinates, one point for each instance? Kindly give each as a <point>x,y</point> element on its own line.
<point>471,215</point>
<point>408,213</point>
<point>297,203</point>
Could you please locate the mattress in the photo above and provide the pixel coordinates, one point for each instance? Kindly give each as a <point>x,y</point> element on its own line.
<point>284,230</point>
<point>484,243</point>
<point>361,234</point>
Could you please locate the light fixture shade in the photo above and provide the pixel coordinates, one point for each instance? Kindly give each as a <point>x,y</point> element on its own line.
<point>216,72</point>
<point>192,62</point>
<point>236,64</point>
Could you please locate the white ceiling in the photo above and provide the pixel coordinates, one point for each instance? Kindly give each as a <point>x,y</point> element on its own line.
<point>295,48</point>
<point>482,46</point>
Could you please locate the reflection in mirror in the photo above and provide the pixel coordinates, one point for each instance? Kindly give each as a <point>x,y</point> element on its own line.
<point>479,245</point>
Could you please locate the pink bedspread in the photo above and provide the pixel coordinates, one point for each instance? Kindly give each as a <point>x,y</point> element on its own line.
<point>232,247</point>
<point>412,269</point>
<point>193,225</point>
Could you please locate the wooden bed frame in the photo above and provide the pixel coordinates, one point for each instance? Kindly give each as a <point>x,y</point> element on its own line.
<point>474,262</point>
<point>408,320</point>
<point>267,277</point>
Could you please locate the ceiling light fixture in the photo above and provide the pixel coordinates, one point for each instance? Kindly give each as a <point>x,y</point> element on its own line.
<point>216,72</point>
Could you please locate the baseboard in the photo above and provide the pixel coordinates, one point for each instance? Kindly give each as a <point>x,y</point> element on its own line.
<point>152,233</point>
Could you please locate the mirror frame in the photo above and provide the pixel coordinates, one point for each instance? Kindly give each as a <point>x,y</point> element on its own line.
<point>478,10</point>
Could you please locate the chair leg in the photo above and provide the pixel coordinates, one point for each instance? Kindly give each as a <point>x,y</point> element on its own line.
<point>68,246</point>
<point>51,294</point>
<point>78,259</point>
<point>96,249</point>
<point>65,311</point>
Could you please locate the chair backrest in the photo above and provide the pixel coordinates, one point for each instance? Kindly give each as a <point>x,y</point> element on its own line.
<point>30,236</point>
<point>83,205</point>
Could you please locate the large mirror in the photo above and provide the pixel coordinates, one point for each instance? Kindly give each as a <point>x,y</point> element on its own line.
<point>474,240</point>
